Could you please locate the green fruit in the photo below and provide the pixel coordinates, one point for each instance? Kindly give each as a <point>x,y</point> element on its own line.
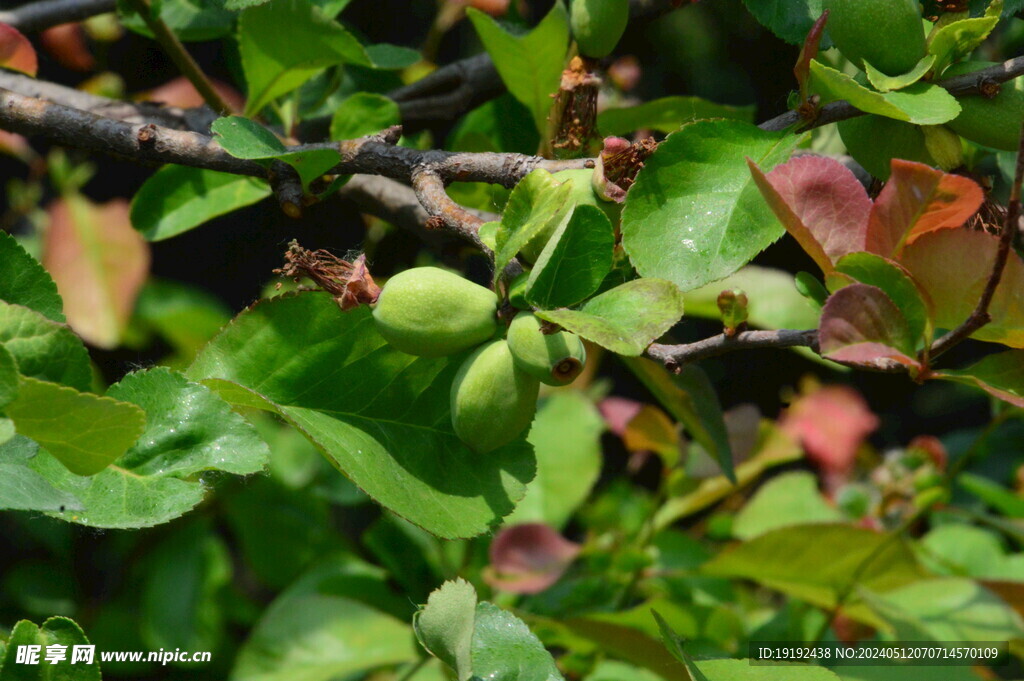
<point>993,122</point>
<point>430,312</point>
<point>888,34</point>
<point>597,25</point>
<point>492,401</point>
<point>582,194</point>
<point>874,141</point>
<point>517,292</point>
<point>553,359</point>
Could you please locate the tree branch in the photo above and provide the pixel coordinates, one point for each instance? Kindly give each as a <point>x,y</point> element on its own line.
<point>675,357</point>
<point>41,15</point>
<point>429,189</point>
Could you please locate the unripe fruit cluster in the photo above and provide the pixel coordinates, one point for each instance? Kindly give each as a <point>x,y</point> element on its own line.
<point>430,312</point>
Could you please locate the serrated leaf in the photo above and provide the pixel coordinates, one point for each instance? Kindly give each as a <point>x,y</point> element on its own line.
<point>21,488</point>
<point>896,283</point>
<point>886,83</point>
<point>16,52</point>
<point>56,631</point>
<point>188,431</point>
<point>917,200</point>
<point>920,103</point>
<point>790,20</point>
<point>535,207</point>
<point>694,214</point>
<point>98,262</point>
<point>531,64</point>
<point>955,283</point>
<point>667,114</point>
<point>445,626</point>
<point>861,325</point>
<point>245,138</point>
<point>42,348</point>
<point>363,113</point>
<point>24,281</point>
<point>566,437</point>
<point>176,199</point>
<point>84,432</point>
<point>379,415</point>
<point>1000,374</point>
<point>276,61</point>
<point>504,648</point>
<point>575,261</point>
<point>959,39</point>
<point>625,319</point>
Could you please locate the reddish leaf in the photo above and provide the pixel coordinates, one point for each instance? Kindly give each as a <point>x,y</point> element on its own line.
<point>861,325</point>
<point>953,267</point>
<point>16,52</point>
<point>1001,374</point>
<point>181,93</point>
<point>917,200</point>
<point>66,42</point>
<point>831,422</point>
<point>528,558</point>
<point>809,51</point>
<point>820,203</point>
<point>99,264</point>
<point>618,412</point>
<point>15,145</point>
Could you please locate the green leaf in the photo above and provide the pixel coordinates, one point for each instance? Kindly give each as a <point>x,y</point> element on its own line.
<point>691,399</point>
<point>244,138</point>
<point>504,649</point>
<point>790,20</point>
<point>959,550</point>
<point>502,124</point>
<point>184,576</point>
<point>190,20</point>
<point>363,113</point>
<point>184,316</point>
<point>531,64</point>
<point>535,208</point>
<point>42,348</point>
<point>774,302</point>
<point>996,496</point>
<point>886,83</point>
<point>625,319</point>
<point>1000,374</point>
<point>959,39</point>
<point>694,214</point>
<point>177,198</point>
<point>8,377</point>
<point>277,61</point>
<point>84,432</point>
<point>21,488</point>
<point>674,644</point>
<point>790,499</point>
<point>790,560</point>
<point>189,430</point>
<point>667,115</point>
<point>388,57</point>
<point>566,437</point>
<point>317,630</point>
<point>575,261</point>
<point>746,670</point>
<point>953,609</point>
<point>25,282</point>
<point>895,282</point>
<point>379,415</point>
<point>56,631</point>
<point>445,626</point>
<point>920,103</point>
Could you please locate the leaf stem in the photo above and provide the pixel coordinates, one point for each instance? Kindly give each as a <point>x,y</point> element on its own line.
<point>180,56</point>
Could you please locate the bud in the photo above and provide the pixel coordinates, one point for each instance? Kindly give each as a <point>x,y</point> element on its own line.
<point>732,305</point>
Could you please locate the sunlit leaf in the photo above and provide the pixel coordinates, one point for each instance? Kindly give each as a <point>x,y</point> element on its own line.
<point>861,325</point>
<point>16,52</point>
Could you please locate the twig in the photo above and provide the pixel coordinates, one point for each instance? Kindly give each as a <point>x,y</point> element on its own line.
<point>675,357</point>
<point>180,56</point>
<point>444,212</point>
<point>41,15</point>
<point>980,316</point>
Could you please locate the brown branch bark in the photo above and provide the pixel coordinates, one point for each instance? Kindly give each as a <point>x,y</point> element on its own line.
<point>429,189</point>
<point>675,357</point>
<point>41,15</point>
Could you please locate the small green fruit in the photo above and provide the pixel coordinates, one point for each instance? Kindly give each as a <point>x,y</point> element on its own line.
<point>874,141</point>
<point>553,359</point>
<point>597,25</point>
<point>492,401</point>
<point>888,34</point>
<point>582,194</point>
<point>993,122</point>
<point>430,312</point>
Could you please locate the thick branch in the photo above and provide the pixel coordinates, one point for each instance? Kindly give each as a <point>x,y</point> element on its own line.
<point>41,15</point>
<point>675,357</point>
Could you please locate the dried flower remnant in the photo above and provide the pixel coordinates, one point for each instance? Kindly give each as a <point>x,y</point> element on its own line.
<point>618,165</point>
<point>574,114</point>
<point>349,282</point>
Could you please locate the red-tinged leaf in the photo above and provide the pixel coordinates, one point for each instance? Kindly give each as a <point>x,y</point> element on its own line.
<point>618,412</point>
<point>66,43</point>
<point>953,266</point>
<point>861,325</point>
<point>809,51</point>
<point>16,52</point>
<point>831,423</point>
<point>919,199</point>
<point>181,93</point>
<point>1001,374</point>
<point>99,264</point>
<point>528,558</point>
<point>15,145</point>
<point>820,203</point>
